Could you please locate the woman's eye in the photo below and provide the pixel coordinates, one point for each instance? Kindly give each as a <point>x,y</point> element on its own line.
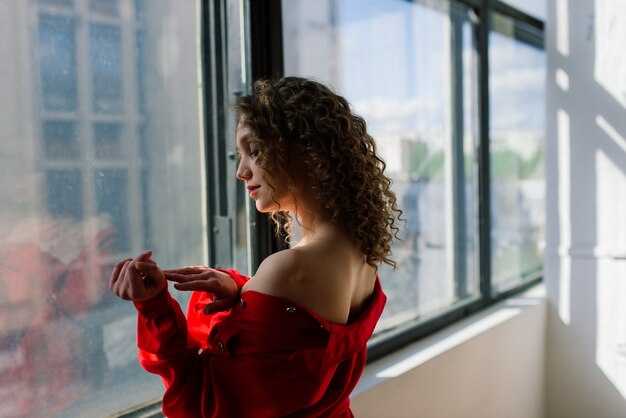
<point>254,153</point>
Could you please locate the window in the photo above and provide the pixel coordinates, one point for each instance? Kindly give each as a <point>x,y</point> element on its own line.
<point>412,69</point>
<point>64,191</point>
<point>106,68</point>
<point>60,141</point>
<point>517,90</point>
<point>57,62</point>
<point>107,140</point>
<point>105,160</point>
<point>408,68</point>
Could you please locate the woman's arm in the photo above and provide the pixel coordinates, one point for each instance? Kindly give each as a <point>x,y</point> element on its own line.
<point>164,348</point>
<point>162,328</point>
<point>224,286</point>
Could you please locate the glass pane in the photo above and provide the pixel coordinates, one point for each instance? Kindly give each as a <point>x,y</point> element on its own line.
<point>112,201</point>
<point>57,62</point>
<point>86,182</point>
<point>239,203</point>
<point>517,131</point>
<point>59,140</point>
<point>106,67</point>
<point>107,141</point>
<point>64,194</point>
<point>139,9</point>
<point>393,61</point>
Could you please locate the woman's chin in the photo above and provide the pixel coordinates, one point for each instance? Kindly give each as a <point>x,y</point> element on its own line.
<point>266,208</point>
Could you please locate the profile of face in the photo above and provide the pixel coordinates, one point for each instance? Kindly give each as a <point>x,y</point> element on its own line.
<point>269,193</point>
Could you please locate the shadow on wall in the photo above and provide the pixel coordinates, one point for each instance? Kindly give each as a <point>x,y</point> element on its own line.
<point>586,199</point>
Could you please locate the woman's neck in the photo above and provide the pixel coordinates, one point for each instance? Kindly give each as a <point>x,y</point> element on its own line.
<point>315,229</point>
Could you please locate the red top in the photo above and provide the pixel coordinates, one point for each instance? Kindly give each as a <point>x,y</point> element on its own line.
<point>264,357</point>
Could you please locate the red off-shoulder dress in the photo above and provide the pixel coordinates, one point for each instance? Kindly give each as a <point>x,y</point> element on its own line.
<point>264,357</point>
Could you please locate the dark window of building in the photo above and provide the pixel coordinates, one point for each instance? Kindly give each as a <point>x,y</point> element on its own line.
<point>106,68</point>
<point>60,140</point>
<point>57,63</point>
<point>64,194</point>
<point>107,143</point>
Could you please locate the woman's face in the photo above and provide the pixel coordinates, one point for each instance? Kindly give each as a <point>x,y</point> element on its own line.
<point>268,198</point>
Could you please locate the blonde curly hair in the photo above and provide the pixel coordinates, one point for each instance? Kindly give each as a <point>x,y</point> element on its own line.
<point>299,121</point>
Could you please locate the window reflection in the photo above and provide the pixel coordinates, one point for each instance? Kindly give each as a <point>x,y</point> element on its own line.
<point>60,140</point>
<point>64,194</point>
<point>111,199</point>
<point>106,67</point>
<point>102,165</point>
<point>107,141</point>
<point>57,62</point>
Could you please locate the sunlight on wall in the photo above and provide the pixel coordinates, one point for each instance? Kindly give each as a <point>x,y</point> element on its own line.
<point>611,185</point>
<point>563,127</point>
<point>610,37</point>
<point>611,314</point>
<point>562,27</point>
<point>611,132</point>
<point>562,79</point>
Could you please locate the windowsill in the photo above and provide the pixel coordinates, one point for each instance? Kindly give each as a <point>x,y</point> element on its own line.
<point>420,352</point>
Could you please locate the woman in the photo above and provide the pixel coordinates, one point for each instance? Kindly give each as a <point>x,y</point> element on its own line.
<point>290,341</point>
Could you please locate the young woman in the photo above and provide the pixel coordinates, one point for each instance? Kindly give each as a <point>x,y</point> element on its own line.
<point>290,341</point>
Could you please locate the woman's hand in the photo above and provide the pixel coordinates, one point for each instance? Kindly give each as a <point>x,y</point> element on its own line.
<point>137,279</point>
<point>223,287</point>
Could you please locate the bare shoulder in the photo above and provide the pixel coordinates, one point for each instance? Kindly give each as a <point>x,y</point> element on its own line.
<point>278,274</point>
<point>327,278</point>
<point>295,274</point>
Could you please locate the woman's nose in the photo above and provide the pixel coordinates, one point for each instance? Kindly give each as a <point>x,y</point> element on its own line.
<point>243,172</point>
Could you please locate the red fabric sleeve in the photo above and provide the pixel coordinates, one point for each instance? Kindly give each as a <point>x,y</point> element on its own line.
<point>164,349</point>
<point>239,278</point>
<point>171,347</point>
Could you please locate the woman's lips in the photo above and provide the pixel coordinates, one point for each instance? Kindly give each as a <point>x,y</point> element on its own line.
<point>252,190</point>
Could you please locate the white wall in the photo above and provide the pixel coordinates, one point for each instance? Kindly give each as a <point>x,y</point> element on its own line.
<point>586,209</point>
<point>488,366</point>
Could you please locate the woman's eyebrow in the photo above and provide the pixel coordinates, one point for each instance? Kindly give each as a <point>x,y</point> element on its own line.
<point>244,140</point>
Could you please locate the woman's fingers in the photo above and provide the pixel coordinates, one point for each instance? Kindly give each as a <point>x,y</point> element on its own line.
<point>179,278</point>
<point>200,285</point>
<point>137,279</point>
<point>183,278</point>
<point>115,274</point>
<point>145,256</point>
<point>147,268</point>
<point>188,270</point>
<point>203,285</point>
<point>119,282</point>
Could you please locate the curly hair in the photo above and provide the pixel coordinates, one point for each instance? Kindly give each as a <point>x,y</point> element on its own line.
<point>296,120</point>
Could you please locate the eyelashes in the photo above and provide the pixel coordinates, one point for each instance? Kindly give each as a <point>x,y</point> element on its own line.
<point>253,154</point>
